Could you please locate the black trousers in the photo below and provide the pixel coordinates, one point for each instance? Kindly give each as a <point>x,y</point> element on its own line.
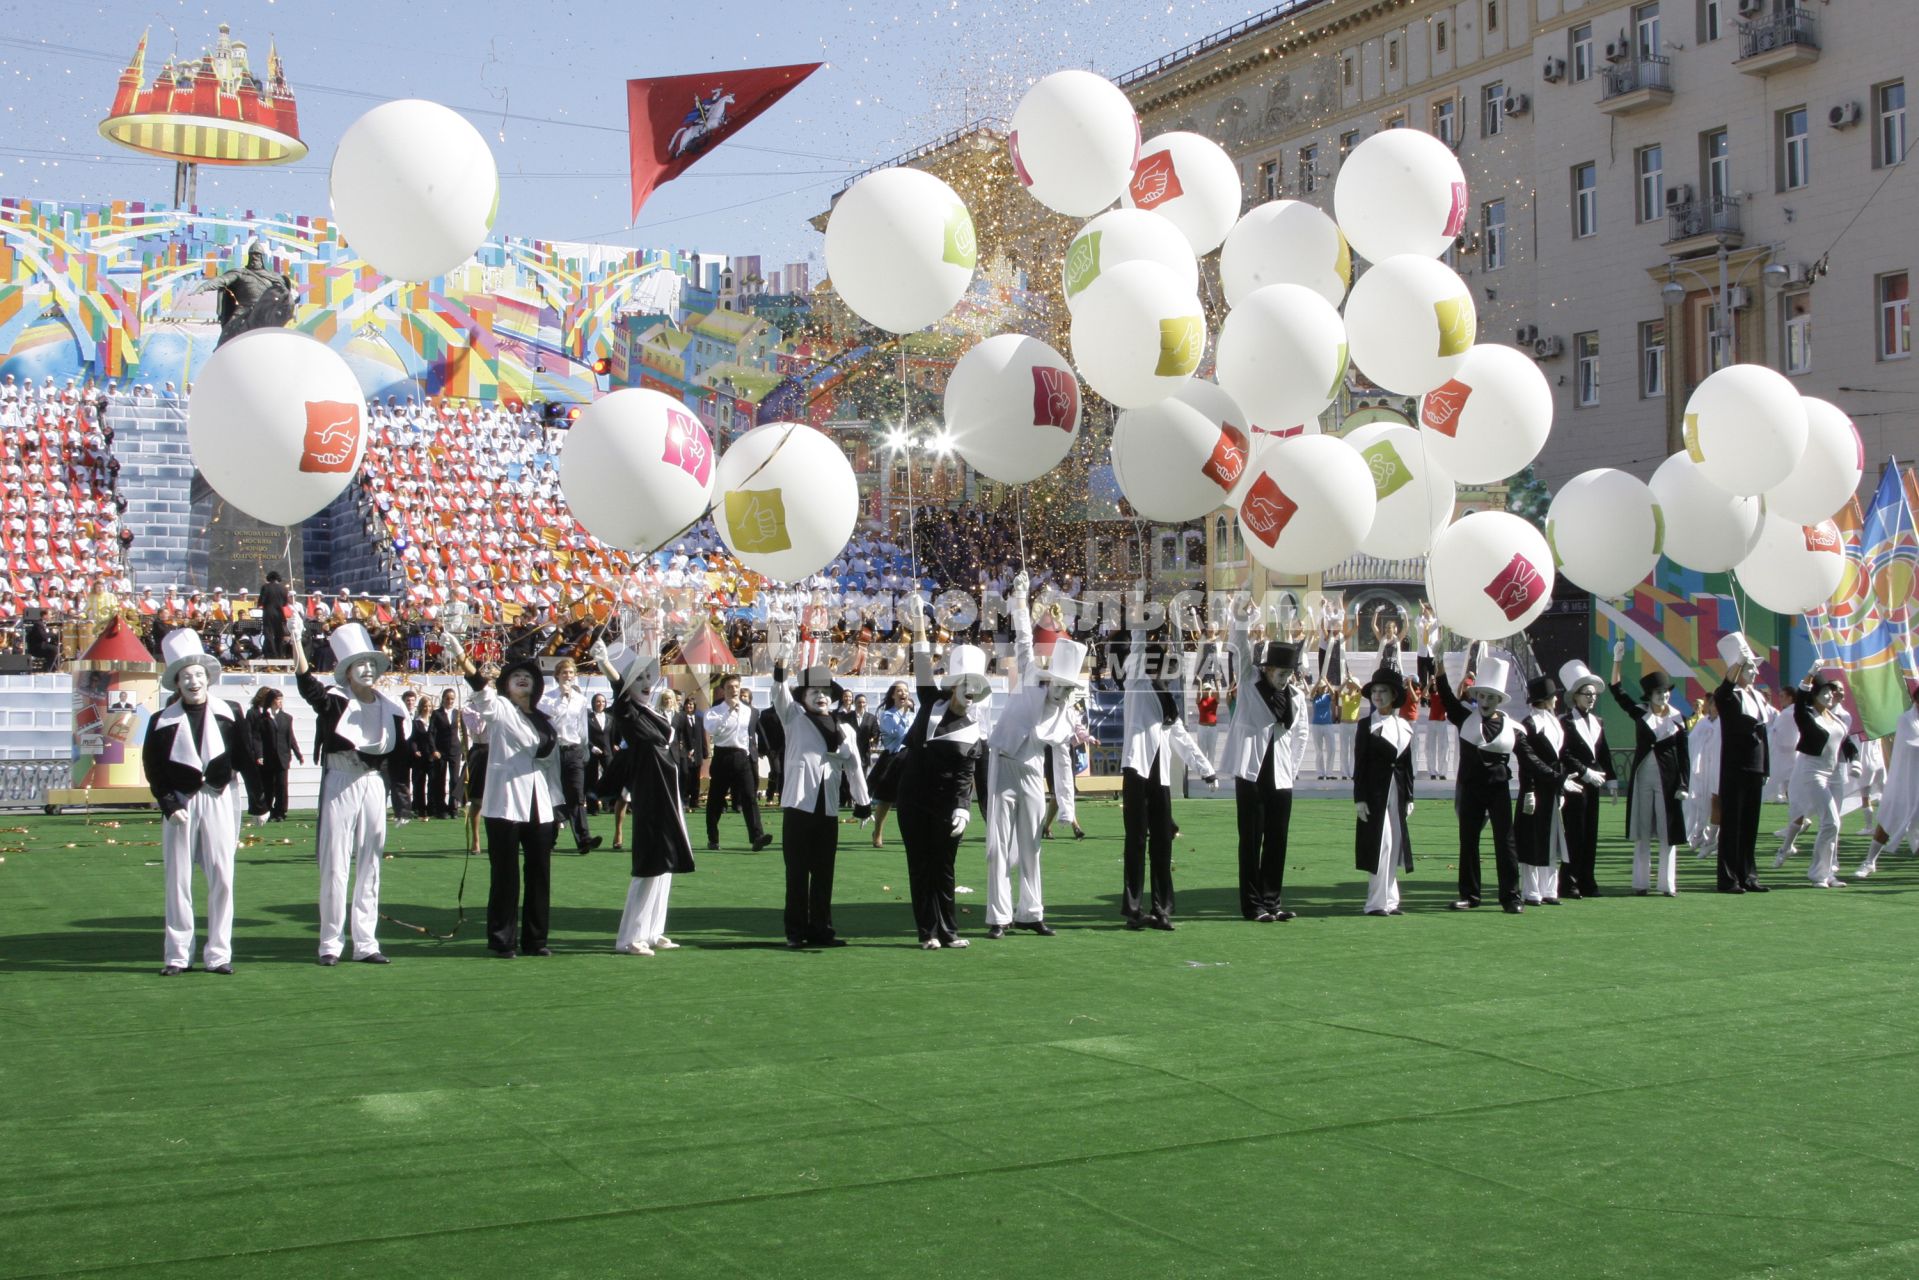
<point>810,843</point>
<point>1580,817</point>
<point>399,784</point>
<point>1146,807</point>
<point>275,636</point>
<point>1740,795</point>
<point>690,782</point>
<point>273,788</point>
<point>1265,815</point>
<point>422,773</point>
<point>1473,814</point>
<point>509,845</point>
<point>732,775</point>
<point>775,777</point>
<point>931,851</point>
<point>573,787</point>
<point>436,805</point>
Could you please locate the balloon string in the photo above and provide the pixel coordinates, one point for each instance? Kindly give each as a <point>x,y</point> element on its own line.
<point>1019,522</point>
<point>906,436</point>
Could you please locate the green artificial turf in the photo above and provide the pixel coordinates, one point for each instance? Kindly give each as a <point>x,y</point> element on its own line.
<point>1706,1086</point>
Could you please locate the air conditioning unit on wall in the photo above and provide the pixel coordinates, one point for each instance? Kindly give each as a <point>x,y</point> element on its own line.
<point>1554,71</point>
<point>1751,8</point>
<point>1518,104</point>
<point>1843,116</point>
<point>1548,347</point>
<point>1525,335</point>
<point>1678,194</point>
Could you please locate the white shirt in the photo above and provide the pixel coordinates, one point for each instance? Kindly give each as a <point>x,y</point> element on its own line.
<point>727,727</point>
<point>567,709</point>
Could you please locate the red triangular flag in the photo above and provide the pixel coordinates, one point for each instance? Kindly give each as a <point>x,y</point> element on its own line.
<point>672,121</point>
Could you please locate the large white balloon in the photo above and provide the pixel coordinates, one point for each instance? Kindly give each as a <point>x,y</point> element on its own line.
<point>1413,489</point>
<point>1746,427</point>
<point>1410,321</point>
<point>1308,505</point>
<point>1285,242</point>
<point>1793,567</point>
<point>1491,575</point>
<point>1707,529</point>
<point>414,189</point>
<point>637,469</point>
<point>1606,531</point>
<point>1125,235</point>
<point>1012,408</point>
<point>1490,418</point>
<point>1828,472</point>
<point>1138,334</point>
<point>1074,140</point>
<point>900,249</point>
<point>1282,354</point>
<point>277,424</point>
<point>1401,191</point>
<point>1191,181</point>
<point>788,500</point>
<point>1174,462</point>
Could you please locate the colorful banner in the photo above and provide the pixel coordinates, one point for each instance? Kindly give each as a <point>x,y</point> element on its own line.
<point>1865,629</point>
<point>672,121</point>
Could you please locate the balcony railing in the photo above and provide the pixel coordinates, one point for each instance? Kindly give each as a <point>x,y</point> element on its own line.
<point>1648,72</point>
<point>1705,217</point>
<point>1781,31</point>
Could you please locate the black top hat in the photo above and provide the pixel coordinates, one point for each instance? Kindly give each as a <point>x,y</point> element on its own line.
<point>532,667</point>
<point>1277,653</point>
<point>1828,682</point>
<point>1541,689</point>
<point>1391,679</point>
<point>1653,681</point>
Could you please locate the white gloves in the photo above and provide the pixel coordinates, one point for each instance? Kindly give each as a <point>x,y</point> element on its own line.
<point>260,819</point>
<point>1619,651</point>
<point>1212,782</point>
<point>1531,804</point>
<point>1409,808</point>
<point>1593,778</point>
<point>1022,584</point>
<point>178,817</point>
<point>601,658</point>
<point>1572,786</point>
<point>296,625</point>
<point>960,818</point>
<point>1682,795</point>
<point>1363,811</point>
<point>454,649</point>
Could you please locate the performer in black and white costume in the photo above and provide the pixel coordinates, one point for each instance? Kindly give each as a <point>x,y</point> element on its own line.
<point>1383,792</point>
<point>648,770</point>
<point>943,749</point>
<point>1152,731</point>
<point>1820,775</point>
<point>361,732</point>
<point>1744,762</point>
<point>1702,820</point>
<point>1487,739</point>
<point>1898,813</point>
<point>567,708</point>
<point>819,749</point>
<point>195,748</point>
<point>1589,762</point>
<point>1659,781</point>
<point>1264,747</point>
<point>1539,832</point>
<point>1036,721</point>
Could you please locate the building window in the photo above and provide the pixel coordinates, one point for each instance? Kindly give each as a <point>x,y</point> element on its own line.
<point>1269,180</point>
<point>1717,148</point>
<point>1797,330</point>
<point>1309,169</point>
<point>1652,359</point>
<point>1439,36</point>
<point>1446,121</point>
<point>1396,121</point>
<point>1492,108</point>
<point>1795,149</point>
<point>1346,71</point>
<point>1650,164</point>
<point>1889,123</point>
<point>1585,200</point>
<point>1645,28</point>
<point>1586,377</point>
<point>1347,141</point>
<point>1709,28</point>
<point>1581,59</point>
<point>1392,55</point>
<point>1492,235</point>
<point>1492,15</point>
<point>1895,316</point>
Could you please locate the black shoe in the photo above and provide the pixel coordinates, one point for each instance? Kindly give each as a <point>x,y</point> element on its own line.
<point>1376,913</point>
<point>1040,927</point>
<point>996,931</point>
<point>1264,917</point>
<point>1135,923</point>
<point>1282,916</point>
<point>1159,922</point>
<point>1753,886</point>
<point>1078,834</point>
<point>1395,912</point>
<point>592,843</point>
<point>327,962</point>
<point>541,951</point>
<point>173,971</point>
<point>712,846</point>
<point>1512,908</point>
<point>1549,902</point>
<point>762,842</point>
<point>1574,894</point>
<point>1464,904</point>
<point>795,944</point>
<point>375,958</point>
<point>508,954</point>
<point>828,942</point>
<point>1732,888</point>
<point>226,969</point>
<point>1640,893</point>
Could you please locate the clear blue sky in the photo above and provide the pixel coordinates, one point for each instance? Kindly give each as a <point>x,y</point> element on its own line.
<point>545,83</point>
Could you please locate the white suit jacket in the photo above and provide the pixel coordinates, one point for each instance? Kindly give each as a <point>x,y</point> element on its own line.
<point>1026,725</point>
<point>1253,724</point>
<point>811,770</point>
<point>1146,736</point>
<point>519,786</point>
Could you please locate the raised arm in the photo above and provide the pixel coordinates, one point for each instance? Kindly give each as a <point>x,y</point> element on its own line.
<point>1456,711</point>
<point>1024,659</point>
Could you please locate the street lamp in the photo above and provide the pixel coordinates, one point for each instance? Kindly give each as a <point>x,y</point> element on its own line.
<point>1726,334</point>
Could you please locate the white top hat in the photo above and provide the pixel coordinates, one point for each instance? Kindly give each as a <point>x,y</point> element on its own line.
<point>1492,675</point>
<point>352,644</point>
<point>1735,649</point>
<point>1575,674</point>
<point>181,649</point>
<point>1067,665</point>
<point>966,667</point>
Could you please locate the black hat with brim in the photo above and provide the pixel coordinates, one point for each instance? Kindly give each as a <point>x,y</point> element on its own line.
<point>1542,689</point>
<point>1653,682</point>
<point>1390,679</point>
<point>529,665</point>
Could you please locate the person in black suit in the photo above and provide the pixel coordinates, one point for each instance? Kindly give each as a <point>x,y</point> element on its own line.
<point>1382,790</point>
<point>419,745</point>
<point>771,743</point>
<point>690,734</point>
<point>866,729</point>
<point>274,750</point>
<point>399,765</point>
<point>1589,762</point>
<point>599,751</point>
<point>1539,836</point>
<point>444,759</point>
<point>1487,740</point>
<point>1744,761</point>
<point>943,746</point>
<point>273,615</point>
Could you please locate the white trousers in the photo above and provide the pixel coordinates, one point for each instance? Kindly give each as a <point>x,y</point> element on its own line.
<point>1435,741</point>
<point>352,834</point>
<point>209,837</point>
<point>1536,884</point>
<point>1015,803</point>
<point>1343,743</point>
<point>1382,888</point>
<point>1642,870</point>
<point>1325,748</point>
<point>644,919</point>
